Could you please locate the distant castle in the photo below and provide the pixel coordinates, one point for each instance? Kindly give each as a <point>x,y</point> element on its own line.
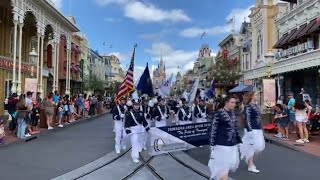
<point>159,75</point>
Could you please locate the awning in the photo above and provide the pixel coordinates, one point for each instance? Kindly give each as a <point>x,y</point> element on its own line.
<point>73,67</point>
<point>315,26</point>
<point>277,45</point>
<point>286,40</point>
<point>78,67</point>
<point>241,88</point>
<point>304,32</point>
<point>294,36</point>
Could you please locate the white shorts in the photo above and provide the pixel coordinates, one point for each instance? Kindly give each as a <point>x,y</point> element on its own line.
<point>301,118</point>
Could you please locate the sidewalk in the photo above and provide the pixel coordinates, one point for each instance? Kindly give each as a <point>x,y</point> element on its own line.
<point>10,138</point>
<point>312,148</point>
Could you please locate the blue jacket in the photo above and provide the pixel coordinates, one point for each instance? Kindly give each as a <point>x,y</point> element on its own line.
<point>116,113</point>
<point>224,129</point>
<point>182,116</point>
<point>157,114</point>
<point>203,109</point>
<point>139,118</point>
<point>252,118</point>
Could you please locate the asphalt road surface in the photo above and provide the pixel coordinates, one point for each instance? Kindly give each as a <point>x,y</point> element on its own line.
<point>66,149</point>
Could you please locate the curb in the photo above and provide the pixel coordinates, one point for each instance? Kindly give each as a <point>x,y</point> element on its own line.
<point>283,144</point>
<point>56,129</point>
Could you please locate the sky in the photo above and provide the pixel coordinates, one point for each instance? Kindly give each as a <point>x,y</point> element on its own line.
<point>172,28</point>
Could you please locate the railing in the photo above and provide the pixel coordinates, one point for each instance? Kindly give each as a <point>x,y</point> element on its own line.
<point>300,61</point>
<point>293,12</point>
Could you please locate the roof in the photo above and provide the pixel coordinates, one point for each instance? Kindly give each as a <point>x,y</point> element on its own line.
<point>228,38</point>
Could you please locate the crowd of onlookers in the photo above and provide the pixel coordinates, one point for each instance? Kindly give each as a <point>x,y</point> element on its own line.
<point>26,111</point>
<point>292,116</point>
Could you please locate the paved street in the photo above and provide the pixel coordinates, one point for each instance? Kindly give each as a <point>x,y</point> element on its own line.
<point>59,152</point>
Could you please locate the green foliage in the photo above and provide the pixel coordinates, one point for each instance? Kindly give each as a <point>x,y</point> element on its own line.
<point>93,83</point>
<point>226,70</point>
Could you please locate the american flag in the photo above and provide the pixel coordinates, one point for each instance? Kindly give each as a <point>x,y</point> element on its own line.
<point>127,85</point>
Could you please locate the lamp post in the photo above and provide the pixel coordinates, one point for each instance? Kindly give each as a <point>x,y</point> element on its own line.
<point>33,60</point>
<point>269,60</point>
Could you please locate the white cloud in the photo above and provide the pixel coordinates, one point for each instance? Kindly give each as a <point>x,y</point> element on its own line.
<point>107,2</point>
<point>57,3</point>
<point>238,13</point>
<point>147,12</point>
<point>112,19</point>
<point>172,58</point>
<point>142,12</point>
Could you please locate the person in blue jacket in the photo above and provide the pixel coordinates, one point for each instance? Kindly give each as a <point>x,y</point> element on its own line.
<point>253,139</point>
<point>224,141</point>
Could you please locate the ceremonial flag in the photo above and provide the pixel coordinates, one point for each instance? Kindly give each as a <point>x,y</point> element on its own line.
<point>145,84</point>
<point>127,85</point>
<point>202,35</point>
<point>165,88</point>
<point>193,92</point>
<point>230,21</point>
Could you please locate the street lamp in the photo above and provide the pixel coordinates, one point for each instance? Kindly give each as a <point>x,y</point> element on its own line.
<point>33,60</point>
<point>269,60</point>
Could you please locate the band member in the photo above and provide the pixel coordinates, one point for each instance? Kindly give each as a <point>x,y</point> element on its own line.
<point>134,121</point>
<point>118,114</point>
<point>161,113</point>
<point>146,109</point>
<point>184,113</point>
<point>224,141</point>
<point>201,111</point>
<point>253,139</point>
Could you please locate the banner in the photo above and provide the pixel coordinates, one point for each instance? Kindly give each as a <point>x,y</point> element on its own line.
<point>269,92</point>
<point>176,138</point>
<point>31,84</point>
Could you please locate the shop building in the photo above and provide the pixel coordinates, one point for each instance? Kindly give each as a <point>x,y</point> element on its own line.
<point>30,38</point>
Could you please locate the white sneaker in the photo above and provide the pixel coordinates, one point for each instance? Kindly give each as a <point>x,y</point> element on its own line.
<point>113,131</point>
<point>253,169</point>
<point>144,148</point>
<point>49,128</point>
<point>124,147</point>
<point>136,160</point>
<point>306,140</point>
<point>27,135</point>
<point>118,151</point>
<point>300,141</point>
<point>60,125</point>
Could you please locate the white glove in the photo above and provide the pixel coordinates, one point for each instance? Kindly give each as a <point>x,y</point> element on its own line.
<point>189,116</point>
<point>165,115</point>
<point>122,115</point>
<point>203,115</point>
<point>145,114</point>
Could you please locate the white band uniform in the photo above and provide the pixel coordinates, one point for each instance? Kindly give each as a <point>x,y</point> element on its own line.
<point>252,142</point>
<point>222,160</point>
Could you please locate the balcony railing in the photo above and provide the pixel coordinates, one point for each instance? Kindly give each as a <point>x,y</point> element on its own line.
<point>298,62</point>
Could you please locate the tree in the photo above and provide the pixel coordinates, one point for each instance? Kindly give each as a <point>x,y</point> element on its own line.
<point>226,70</point>
<point>93,83</point>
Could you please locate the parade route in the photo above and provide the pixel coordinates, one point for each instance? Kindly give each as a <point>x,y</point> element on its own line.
<point>85,151</point>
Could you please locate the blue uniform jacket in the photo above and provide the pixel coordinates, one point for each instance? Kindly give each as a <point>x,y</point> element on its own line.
<point>252,118</point>
<point>224,129</point>
<point>184,117</point>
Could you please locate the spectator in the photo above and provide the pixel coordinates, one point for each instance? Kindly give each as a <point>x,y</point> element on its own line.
<point>66,109</point>
<point>60,113</point>
<point>86,106</point>
<point>12,109</point>
<point>49,106</point>
<point>80,104</point>
<point>299,107</point>
<point>2,132</point>
<point>56,96</point>
<point>35,116</point>
<point>39,99</point>
<point>22,113</point>
<point>292,116</point>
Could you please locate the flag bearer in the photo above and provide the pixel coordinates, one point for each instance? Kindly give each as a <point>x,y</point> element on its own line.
<point>184,113</point>
<point>200,111</point>
<point>118,114</point>
<point>134,123</point>
<point>161,113</point>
